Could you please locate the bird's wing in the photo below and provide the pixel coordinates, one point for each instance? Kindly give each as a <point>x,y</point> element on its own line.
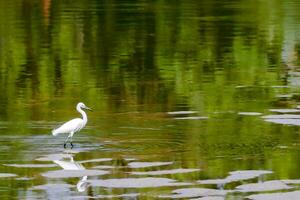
<point>68,127</point>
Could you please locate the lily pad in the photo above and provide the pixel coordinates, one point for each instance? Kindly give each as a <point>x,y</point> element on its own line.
<point>276,196</point>
<point>195,192</point>
<point>264,186</point>
<point>163,172</point>
<point>73,173</point>
<point>148,164</point>
<point>137,183</point>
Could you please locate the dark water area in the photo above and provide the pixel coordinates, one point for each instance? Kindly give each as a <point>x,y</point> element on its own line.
<point>191,99</point>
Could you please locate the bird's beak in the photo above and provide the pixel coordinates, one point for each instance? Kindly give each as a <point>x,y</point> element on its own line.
<point>88,108</point>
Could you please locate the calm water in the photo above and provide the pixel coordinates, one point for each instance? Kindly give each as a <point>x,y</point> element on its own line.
<point>187,95</point>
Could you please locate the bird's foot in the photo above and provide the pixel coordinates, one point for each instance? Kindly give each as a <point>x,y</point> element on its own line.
<point>71,145</point>
<point>65,145</point>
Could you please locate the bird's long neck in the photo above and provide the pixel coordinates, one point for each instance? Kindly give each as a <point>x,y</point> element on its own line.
<point>84,116</point>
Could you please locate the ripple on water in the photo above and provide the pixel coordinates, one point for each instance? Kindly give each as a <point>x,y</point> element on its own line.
<point>276,196</point>
<point>209,198</point>
<point>246,174</point>
<point>163,172</point>
<point>7,175</point>
<point>52,157</point>
<point>195,192</point>
<point>96,160</point>
<point>249,113</point>
<point>24,179</point>
<point>137,182</point>
<point>30,165</point>
<point>264,186</point>
<point>104,167</point>
<point>236,176</point>
<point>183,112</point>
<point>125,196</point>
<point>73,173</point>
<point>52,186</point>
<point>282,116</point>
<point>191,118</point>
<point>292,181</point>
<point>285,110</point>
<point>286,119</point>
<point>148,164</point>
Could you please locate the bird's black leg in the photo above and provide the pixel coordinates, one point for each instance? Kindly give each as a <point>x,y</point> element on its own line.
<point>65,143</point>
<point>71,140</point>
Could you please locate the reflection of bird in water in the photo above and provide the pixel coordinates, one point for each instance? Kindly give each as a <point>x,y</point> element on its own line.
<point>82,184</point>
<point>74,125</point>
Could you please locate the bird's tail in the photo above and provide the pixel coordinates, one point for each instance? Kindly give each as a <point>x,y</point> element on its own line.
<point>54,132</point>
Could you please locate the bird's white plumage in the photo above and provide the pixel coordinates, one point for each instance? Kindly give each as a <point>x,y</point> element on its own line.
<point>73,125</point>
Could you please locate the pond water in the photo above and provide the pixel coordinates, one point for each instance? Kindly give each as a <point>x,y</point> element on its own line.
<point>192,99</point>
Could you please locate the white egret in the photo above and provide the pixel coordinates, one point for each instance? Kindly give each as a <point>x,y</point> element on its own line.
<point>74,125</point>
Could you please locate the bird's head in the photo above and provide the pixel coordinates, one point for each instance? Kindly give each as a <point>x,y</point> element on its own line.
<point>83,106</point>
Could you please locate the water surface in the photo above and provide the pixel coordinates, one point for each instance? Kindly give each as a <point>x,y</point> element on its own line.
<point>191,99</point>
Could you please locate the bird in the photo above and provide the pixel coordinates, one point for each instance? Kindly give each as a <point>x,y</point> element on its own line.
<point>74,125</point>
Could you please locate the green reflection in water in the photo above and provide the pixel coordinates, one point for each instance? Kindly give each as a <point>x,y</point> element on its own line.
<point>134,61</point>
